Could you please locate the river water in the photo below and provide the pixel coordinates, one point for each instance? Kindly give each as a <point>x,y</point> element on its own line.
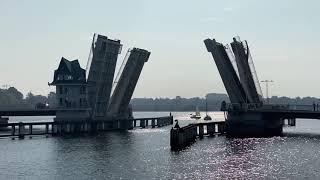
<point>146,154</point>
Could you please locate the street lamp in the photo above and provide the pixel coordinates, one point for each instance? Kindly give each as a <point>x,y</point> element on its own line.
<point>267,88</point>
<point>6,86</point>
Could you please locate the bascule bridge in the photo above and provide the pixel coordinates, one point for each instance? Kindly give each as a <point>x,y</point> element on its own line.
<point>247,114</point>
<point>92,93</point>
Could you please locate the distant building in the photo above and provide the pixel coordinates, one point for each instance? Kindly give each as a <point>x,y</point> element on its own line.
<point>71,85</point>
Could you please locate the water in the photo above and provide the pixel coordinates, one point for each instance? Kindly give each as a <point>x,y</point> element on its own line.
<point>146,154</point>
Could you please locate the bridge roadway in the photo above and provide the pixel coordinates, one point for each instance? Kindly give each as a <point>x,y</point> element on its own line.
<point>22,129</point>
<point>28,112</point>
<point>291,114</point>
<point>285,111</point>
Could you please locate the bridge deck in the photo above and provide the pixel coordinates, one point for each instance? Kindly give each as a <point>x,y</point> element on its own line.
<point>61,127</point>
<point>289,114</point>
<point>28,112</point>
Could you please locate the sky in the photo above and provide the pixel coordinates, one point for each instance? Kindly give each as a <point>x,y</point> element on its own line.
<point>283,36</point>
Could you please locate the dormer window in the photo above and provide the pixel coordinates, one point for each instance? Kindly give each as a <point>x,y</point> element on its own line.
<point>60,77</point>
<point>69,72</point>
<point>68,77</point>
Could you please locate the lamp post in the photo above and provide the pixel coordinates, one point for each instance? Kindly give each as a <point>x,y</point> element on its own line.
<point>6,86</point>
<point>267,88</point>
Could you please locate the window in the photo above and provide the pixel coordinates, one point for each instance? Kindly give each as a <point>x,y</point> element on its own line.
<point>82,90</point>
<point>60,102</point>
<point>60,90</point>
<point>60,77</point>
<point>68,77</point>
<point>66,90</point>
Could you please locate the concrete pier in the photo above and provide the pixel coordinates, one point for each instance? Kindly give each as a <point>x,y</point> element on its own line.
<point>184,136</point>
<point>253,124</point>
<point>292,122</point>
<point>79,127</point>
<point>4,121</point>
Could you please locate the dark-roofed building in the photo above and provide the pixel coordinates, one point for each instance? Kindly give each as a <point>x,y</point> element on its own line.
<point>70,82</point>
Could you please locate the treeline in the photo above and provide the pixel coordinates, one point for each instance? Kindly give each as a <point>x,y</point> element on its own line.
<point>179,103</point>
<point>11,97</point>
<point>214,102</point>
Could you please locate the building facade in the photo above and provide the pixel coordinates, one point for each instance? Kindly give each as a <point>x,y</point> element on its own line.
<point>71,91</point>
<point>71,86</point>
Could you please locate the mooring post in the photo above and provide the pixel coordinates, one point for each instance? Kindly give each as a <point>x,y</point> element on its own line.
<point>211,129</point>
<point>142,123</point>
<point>221,128</point>
<point>30,129</point>
<point>174,139</point>
<point>13,130</point>
<point>194,132</point>
<point>292,122</point>
<point>153,123</point>
<point>159,122</point>
<point>21,130</point>
<point>47,128</point>
<point>201,129</point>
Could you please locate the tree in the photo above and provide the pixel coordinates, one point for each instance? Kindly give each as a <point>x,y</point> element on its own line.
<point>17,94</point>
<point>34,99</point>
<point>52,99</point>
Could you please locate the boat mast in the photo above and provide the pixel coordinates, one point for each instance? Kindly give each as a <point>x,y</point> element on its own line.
<point>206,107</point>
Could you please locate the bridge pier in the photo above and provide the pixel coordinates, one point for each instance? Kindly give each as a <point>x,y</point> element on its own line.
<point>13,130</point>
<point>211,129</point>
<point>125,124</point>
<point>21,130</point>
<point>142,123</point>
<point>253,124</point>
<point>292,122</point>
<point>153,123</point>
<point>201,131</point>
<point>184,136</point>
<point>134,123</point>
<point>30,129</point>
<point>4,121</point>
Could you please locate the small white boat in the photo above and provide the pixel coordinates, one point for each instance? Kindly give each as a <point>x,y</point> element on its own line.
<point>197,115</point>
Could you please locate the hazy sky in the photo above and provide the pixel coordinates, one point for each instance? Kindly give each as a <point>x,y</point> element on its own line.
<point>283,36</point>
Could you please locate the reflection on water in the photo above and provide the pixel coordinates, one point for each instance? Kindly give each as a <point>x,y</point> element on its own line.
<point>146,154</point>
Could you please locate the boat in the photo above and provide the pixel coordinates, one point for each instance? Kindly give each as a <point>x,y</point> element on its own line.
<point>207,117</point>
<point>197,115</point>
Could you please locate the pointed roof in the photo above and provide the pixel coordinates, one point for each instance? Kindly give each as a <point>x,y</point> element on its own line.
<point>69,69</point>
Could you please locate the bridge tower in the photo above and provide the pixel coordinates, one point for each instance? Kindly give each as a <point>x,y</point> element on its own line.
<point>241,52</point>
<point>227,72</point>
<point>126,81</point>
<point>244,119</point>
<point>100,73</point>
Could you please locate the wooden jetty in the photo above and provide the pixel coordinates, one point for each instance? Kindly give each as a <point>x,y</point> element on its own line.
<point>184,136</point>
<point>69,127</point>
